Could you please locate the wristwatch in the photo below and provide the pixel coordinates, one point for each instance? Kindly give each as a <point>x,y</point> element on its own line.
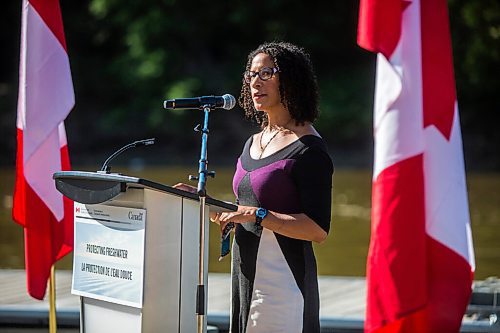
<point>260,214</point>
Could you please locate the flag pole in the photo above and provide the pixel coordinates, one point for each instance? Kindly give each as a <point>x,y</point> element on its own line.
<point>52,300</point>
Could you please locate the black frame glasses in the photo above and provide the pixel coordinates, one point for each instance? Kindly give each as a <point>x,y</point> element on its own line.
<point>265,73</point>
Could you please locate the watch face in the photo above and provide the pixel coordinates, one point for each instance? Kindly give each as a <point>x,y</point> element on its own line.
<point>261,212</point>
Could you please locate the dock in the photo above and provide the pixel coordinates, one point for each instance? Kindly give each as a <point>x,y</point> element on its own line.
<point>342,302</point>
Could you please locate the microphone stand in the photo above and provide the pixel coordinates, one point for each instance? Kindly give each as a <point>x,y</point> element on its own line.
<point>202,193</point>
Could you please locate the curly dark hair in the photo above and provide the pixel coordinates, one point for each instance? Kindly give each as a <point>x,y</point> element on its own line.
<point>298,86</point>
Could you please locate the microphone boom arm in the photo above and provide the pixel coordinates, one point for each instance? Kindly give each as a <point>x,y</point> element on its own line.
<point>145,142</point>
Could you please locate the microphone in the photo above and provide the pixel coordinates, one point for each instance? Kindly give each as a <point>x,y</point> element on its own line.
<point>225,102</point>
<point>106,169</point>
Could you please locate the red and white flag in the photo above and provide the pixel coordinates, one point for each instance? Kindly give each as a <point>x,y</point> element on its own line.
<point>45,99</point>
<point>421,261</point>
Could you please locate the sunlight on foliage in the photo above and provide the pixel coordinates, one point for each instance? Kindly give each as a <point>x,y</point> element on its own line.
<point>184,88</point>
<point>99,8</point>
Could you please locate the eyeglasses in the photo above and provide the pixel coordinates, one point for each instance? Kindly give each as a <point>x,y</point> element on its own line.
<point>264,74</point>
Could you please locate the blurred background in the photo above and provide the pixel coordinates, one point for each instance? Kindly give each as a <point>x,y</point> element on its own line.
<point>128,56</point>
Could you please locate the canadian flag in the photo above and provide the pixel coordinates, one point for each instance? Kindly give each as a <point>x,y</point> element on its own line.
<point>421,260</point>
<point>45,99</point>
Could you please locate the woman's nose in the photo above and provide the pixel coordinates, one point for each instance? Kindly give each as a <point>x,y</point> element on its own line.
<point>256,81</point>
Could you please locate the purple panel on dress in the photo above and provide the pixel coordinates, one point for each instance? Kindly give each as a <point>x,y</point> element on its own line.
<point>274,187</point>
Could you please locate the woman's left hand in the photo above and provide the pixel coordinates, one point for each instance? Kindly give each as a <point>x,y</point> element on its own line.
<point>298,226</point>
<point>242,215</point>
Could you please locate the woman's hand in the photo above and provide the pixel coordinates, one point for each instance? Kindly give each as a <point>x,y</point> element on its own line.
<point>244,214</point>
<point>194,190</point>
<point>186,187</point>
<point>298,226</point>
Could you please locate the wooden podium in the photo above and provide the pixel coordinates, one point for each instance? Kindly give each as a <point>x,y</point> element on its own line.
<point>136,252</point>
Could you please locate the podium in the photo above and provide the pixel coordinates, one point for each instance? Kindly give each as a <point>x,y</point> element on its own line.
<point>136,252</point>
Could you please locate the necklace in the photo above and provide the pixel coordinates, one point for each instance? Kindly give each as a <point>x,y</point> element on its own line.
<point>263,148</point>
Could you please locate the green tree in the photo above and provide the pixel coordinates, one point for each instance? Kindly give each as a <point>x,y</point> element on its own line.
<point>475,27</point>
<point>128,56</point>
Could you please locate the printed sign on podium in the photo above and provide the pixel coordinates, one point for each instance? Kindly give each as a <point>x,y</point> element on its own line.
<point>108,262</point>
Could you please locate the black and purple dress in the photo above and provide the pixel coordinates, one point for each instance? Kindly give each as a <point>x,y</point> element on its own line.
<point>274,277</point>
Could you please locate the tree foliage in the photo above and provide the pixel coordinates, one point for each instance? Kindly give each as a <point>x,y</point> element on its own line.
<point>128,56</point>
<point>475,27</point>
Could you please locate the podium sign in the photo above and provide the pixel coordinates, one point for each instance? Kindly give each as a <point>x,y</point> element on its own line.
<point>108,262</point>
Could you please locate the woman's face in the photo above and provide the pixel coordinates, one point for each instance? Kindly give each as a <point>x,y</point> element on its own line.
<point>265,94</point>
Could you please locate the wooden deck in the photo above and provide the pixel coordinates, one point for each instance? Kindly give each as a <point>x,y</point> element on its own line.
<point>340,296</point>
<point>342,305</point>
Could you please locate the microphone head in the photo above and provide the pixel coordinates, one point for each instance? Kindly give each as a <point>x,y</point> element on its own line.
<point>229,101</point>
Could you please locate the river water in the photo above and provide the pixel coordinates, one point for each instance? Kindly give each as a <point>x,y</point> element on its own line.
<point>345,250</point>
